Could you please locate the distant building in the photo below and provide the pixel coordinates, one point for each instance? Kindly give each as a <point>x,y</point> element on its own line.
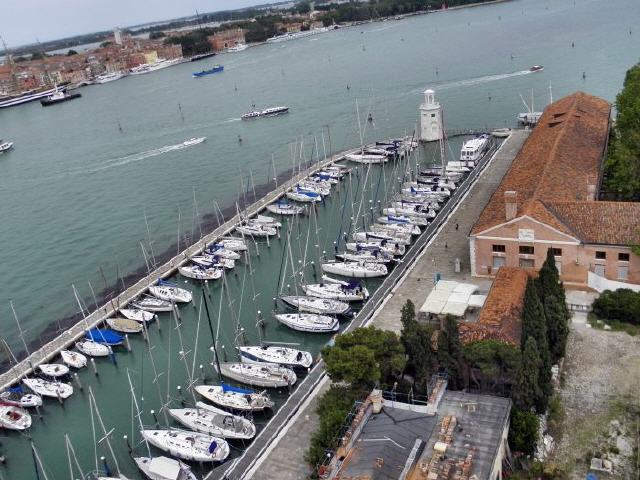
<point>220,41</point>
<point>430,118</point>
<point>117,36</point>
<point>548,199</point>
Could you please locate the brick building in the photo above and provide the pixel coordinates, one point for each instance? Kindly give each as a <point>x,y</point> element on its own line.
<point>548,199</point>
<point>226,39</point>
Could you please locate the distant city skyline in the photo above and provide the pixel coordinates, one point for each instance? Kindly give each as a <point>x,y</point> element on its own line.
<point>24,21</point>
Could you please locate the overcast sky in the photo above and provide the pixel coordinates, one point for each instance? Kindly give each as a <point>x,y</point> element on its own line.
<point>22,21</point>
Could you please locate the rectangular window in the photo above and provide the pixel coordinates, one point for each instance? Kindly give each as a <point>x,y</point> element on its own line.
<point>599,270</point>
<point>557,252</point>
<point>623,257</point>
<point>433,115</point>
<point>527,263</point>
<point>526,250</point>
<point>498,262</point>
<point>499,248</point>
<point>623,272</point>
<point>601,255</point>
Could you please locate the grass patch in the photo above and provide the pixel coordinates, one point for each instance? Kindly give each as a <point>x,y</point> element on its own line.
<point>616,325</point>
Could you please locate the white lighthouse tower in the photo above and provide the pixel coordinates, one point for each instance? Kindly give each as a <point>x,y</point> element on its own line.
<point>430,118</point>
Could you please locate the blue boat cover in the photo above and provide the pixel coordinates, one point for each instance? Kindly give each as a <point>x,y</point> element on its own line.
<point>104,336</point>
<point>213,446</point>
<point>353,284</point>
<point>231,388</point>
<point>17,389</point>
<point>308,193</point>
<point>165,283</point>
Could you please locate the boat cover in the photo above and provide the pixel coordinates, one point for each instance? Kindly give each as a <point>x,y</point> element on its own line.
<point>165,283</point>
<point>165,467</point>
<point>104,336</point>
<point>231,388</point>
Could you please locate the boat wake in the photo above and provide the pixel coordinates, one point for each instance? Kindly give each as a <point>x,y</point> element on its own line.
<point>478,80</point>
<point>232,120</point>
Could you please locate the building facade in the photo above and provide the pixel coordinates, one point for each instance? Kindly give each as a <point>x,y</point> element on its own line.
<point>226,39</point>
<point>548,200</point>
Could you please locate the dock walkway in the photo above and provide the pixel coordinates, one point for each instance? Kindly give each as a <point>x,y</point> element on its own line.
<point>253,457</point>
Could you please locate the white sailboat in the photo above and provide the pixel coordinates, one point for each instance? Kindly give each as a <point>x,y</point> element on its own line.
<point>322,306</point>
<point>256,230</point>
<point>265,220</point>
<point>303,196</point>
<point>93,349</point>
<point>124,325</point>
<point>403,220</point>
<point>285,208</point>
<point>235,398</point>
<point>164,468</point>
<point>186,445</point>
<point>338,290</point>
<point>364,256</point>
<point>378,236</point>
<point>233,243</point>
<point>45,388</point>
<point>209,261</point>
<point>374,246</point>
<point>219,250</point>
<point>366,158</point>
<point>277,355</point>
<point>137,314</point>
<point>170,292</point>
<point>214,421</point>
<point>17,397</point>
<point>152,304</point>
<point>262,375</point>
<point>356,269</point>
<point>197,272</point>
<point>399,230</point>
<point>53,369</point>
<point>14,418</point>
<point>309,322</point>
<point>73,359</point>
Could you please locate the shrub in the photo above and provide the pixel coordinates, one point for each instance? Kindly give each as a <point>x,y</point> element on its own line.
<point>622,305</point>
<point>523,432</point>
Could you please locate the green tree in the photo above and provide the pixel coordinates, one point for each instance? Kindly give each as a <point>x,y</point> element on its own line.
<point>492,365</point>
<point>450,352</point>
<point>71,53</point>
<point>37,55</point>
<point>622,305</point>
<point>416,339</point>
<point>408,314</point>
<point>157,35</point>
<point>523,431</point>
<point>527,392</point>
<point>555,308</point>
<point>355,365</point>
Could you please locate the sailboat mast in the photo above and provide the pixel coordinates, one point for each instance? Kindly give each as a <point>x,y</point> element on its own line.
<point>135,402</point>
<point>215,351</point>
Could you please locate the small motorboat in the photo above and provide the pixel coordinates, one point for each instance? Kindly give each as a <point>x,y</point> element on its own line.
<point>321,306</point>
<point>152,304</point>
<point>104,336</point>
<point>536,68</point>
<point>164,468</point>
<point>211,71</point>
<point>93,349</point>
<point>137,314</point>
<point>18,397</point>
<point>170,292</point>
<point>250,115</point>
<point>5,146</point>
<point>197,272</point>
<point>53,370</point>
<point>193,141</point>
<point>235,398</point>
<point>277,355</point>
<point>124,325</point>
<point>273,111</point>
<point>46,388</point>
<point>14,418</point>
<point>501,132</point>
<point>214,421</point>
<point>187,445</point>
<point>309,322</point>
<point>73,359</point>
<point>356,269</point>
<point>259,375</point>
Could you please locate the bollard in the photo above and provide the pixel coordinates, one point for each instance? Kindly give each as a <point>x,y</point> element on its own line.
<point>202,374</point>
<point>224,354</point>
<point>39,413</point>
<point>275,302</point>
<point>77,379</point>
<point>155,418</point>
<point>126,342</point>
<point>107,471</point>
<point>126,441</point>
<point>93,365</point>
<point>179,388</point>
<point>177,310</point>
<point>59,398</point>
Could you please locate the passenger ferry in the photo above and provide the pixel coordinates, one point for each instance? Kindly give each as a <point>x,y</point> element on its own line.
<point>474,149</point>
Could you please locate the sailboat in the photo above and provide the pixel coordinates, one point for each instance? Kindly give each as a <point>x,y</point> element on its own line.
<point>322,306</point>
<point>137,314</point>
<point>309,322</point>
<point>256,230</point>
<point>233,243</point>
<point>214,421</point>
<point>355,269</point>
<point>403,220</point>
<point>73,359</point>
<point>18,397</point>
<point>53,370</point>
<point>282,207</point>
<point>14,418</point>
<point>235,398</point>
<point>187,445</point>
<point>365,256</point>
<point>198,272</point>
<point>276,355</point>
<point>170,292</point>
<point>219,250</point>
<point>124,325</point>
<point>305,196</point>
<point>164,468</point>
<point>46,388</point>
<point>377,246</point>
<point>104,336</point>
<point>152,304</point>
<point>209,261</point>
<point>93,349</point>
<point>352,291</point>
<point>262,375</point>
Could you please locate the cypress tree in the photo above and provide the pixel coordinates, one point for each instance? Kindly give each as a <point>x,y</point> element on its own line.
<point>408,314</point>
<point>526,392</point>
<point>557,314</point>
<point>450,352</point>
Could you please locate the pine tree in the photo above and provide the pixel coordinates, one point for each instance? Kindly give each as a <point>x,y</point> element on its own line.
<point>408,314</point>
<point>552,295</point>
<point>450,352</point>
<point>526,392</point>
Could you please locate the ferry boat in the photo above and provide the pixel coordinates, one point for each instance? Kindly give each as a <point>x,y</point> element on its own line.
<point>212,70</point>
<point>59,97</point>
<point>4,146</point>
<point>109,77</point>
<point>474,149</point>
<point>273,111</point>
<point>28,96</point>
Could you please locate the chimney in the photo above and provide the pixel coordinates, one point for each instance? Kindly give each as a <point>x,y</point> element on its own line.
<point>510,204</point>
<point>591,192</point>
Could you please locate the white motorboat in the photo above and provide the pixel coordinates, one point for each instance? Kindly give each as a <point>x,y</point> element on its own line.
<point>186,445</point>
<point>250,115</point>
<point>259,375</point>
<point>211,261</point>
<point>193,141</point>
<point>14,418</point>
<point>402,220</point>
<point>214,421</point>
<point>235,398</point>
<point>365,256</point>
<point>474,149</point>
<point>256,230</point>
<point>356,269</point>
<point>17,397</point>
<point>137,314</point>
<point>501,132</point>
<point>197,272</point>
<point>152,304</point>
<point>93,349</point>
<point>240,47</point>
<point>53,369</point>
<point>277,355</point>
<point>366,158</point>
<point>322,306</point>
<point>45,388</point>
<point>219,250</point>
<point>5,146</point>
<point>170,292</point>
<point>304,196</point>
<point>536,68</point>
<point>109,77</point>
<point>309,322</point>
<point>73,359</point>
<point>124,325</point>
<point>164,468</point>
<point>338,290</point>
<point>374,246</point>
<point>233,243</point>
<point>285,208</point>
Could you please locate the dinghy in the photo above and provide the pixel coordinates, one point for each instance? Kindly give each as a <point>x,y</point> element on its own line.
<point>285,208</point>
<point>16,396</point>
<point>73,359</point>
<point>53,370</point>
<point>233,243</point>
<point>256,230</point>
<point>45,388</point>
<point>152,304</point>
<point>277,355</point>
<point>235,398</point>
<point>200,273</point>
<point>164,468</point>
<point>322,306</point>
<point>208,261</point>
<point>214,421</point>
<point>262,375</point>
<point>309,322</point>
<point>343,291</point>
<point>14,418</point>
<point>374,246</point>
<point>170,292</point>
<point>196,447</point>
<point>137,314</point>
<point>219,250</point>
<point>93,349</point>
<point>356,269</point>
<point>124,325</point>
<point>104,336</point>
<point>303,196</point>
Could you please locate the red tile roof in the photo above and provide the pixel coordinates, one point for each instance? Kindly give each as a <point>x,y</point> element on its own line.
<point>500,318</point>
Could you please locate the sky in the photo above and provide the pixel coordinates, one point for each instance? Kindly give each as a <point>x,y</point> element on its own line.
<point>22,21</point>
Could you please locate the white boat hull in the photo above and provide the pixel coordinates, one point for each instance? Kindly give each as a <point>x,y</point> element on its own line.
<point>157,468</point>
<point>264,375</point>
<point>308,322</point>
<point>171,293</point>
<point>14,418</point>
<point>355,270</point>
<point>188,445</point>
<point>254,402</point>
<point>73,359</point>
<point>93,349</point>
<point>283,356</point>
<point>200,273</point>
<point>45,388</point>
<point>213,421</point>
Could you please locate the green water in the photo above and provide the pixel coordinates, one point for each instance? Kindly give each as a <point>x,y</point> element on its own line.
<point>75,188</point>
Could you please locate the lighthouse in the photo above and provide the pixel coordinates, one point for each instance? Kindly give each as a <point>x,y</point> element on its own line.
<point>430,118</point>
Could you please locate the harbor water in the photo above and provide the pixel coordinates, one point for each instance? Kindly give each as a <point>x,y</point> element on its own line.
<point>83,176</point>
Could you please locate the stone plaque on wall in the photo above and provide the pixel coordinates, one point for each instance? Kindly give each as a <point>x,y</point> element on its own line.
<point>526,235</point>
